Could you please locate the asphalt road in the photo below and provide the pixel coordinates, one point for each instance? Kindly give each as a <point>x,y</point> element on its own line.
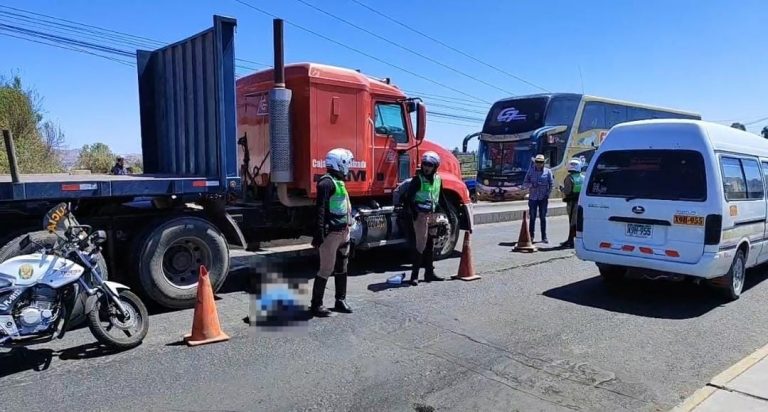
<point>537,332</point>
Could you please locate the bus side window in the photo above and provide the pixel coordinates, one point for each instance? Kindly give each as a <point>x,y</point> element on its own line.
<point>592,117</point>
<point>615,114</point>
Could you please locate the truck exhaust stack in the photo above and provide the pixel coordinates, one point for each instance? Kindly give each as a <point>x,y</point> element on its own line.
<point>279,115</point>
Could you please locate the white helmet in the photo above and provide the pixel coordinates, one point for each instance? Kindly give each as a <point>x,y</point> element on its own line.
<point>574,165</point>
<point>339,159</point>
<point>432,158</point>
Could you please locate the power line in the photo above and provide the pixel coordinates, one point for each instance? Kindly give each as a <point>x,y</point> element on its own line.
<point>403,47</point>
<point>70,48</point>
<point>450,47</point>
<point>465,110</point>
<point>755,121</point>
<point>456,116</point>
<point>112,36</point>
<point>452,123</point>
<point>66,40</point>
<point>81,46</point>
<point>361,52</point>
<point>458,99</point>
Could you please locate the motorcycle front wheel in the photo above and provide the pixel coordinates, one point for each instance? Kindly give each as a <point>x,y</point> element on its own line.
<point>109,326</point>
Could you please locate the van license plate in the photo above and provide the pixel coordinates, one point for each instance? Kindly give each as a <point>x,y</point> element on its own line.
<point>641,231</point>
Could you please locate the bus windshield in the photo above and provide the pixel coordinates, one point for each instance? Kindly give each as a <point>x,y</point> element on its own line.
<point>515,116</point>
<point>504,157</point>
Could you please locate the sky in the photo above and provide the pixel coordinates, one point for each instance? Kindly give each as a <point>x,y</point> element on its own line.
<point>707,57</point>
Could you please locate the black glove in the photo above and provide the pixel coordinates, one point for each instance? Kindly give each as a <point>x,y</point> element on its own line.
<point>317,240</point>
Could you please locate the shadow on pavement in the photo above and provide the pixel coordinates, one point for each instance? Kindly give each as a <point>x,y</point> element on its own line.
<point>652,299</point>
<point>24,359</point>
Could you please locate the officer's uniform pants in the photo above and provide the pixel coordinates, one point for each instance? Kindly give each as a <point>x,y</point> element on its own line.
<point>572,208</point>
<point>334,253</point>
<point>422,232</point>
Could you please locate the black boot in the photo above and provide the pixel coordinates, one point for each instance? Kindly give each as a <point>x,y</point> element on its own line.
<point>341,293</point>
<point>417,257</point>
<point>429,266</point>
<point>571,236</point>
<point>318,290</point>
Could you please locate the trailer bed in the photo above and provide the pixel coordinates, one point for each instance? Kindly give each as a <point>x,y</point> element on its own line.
<point>63,186</point>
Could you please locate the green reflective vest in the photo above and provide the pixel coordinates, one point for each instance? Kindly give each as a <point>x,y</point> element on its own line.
<point>429,194</point>
<point>578,181</point>
<point>338,205</point>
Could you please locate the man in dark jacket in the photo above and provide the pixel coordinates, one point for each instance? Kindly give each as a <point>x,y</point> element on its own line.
<point>332,234</point>
<point>119,168</point>
<point>423,199</point>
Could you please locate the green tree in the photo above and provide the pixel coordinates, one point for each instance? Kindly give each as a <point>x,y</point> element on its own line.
<point>98,158</point>
<point>21,114</point>
<point>137,167</point>
<point>739,126</point>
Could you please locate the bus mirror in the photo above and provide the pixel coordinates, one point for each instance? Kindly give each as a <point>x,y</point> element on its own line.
<point>421,121</point>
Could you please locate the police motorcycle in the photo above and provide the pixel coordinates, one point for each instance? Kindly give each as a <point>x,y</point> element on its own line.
<point>43,292</point>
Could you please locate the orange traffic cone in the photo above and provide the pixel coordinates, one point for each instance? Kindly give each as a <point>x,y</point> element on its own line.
<point>205,326</point>
<point>466,267</point>
<point>524,243</point>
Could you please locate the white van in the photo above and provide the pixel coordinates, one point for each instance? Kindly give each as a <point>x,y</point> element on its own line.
<point>680,198</point>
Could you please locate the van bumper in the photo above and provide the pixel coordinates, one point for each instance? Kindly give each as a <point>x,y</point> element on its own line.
<point>711,265</point>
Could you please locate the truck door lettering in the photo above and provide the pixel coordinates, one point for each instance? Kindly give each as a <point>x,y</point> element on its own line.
<point>354,176</point>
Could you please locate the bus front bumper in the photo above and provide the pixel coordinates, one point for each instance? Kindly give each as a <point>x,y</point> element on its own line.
<point>500,192</point>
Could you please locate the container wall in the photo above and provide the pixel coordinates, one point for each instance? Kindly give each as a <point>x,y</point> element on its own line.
<point>187,105</point>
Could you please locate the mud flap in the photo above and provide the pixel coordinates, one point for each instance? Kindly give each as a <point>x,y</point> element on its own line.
<point>466,218</point>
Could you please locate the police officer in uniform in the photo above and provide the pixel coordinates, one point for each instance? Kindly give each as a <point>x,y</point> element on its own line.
<point>332,234</point>
<point>571,189</point>
<point>423,199</point>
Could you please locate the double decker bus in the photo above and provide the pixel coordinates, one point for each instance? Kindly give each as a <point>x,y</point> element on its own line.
<point>561,126</point>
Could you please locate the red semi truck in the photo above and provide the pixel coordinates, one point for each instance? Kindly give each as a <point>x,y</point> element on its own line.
<point>230,164</point>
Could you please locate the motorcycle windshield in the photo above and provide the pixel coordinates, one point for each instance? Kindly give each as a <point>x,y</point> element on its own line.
<point>59,218</point>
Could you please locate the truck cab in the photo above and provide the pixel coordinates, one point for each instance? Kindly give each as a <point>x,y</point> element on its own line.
<point>337,107</point>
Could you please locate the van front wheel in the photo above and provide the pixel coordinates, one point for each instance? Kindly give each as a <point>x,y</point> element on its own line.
<point>732,283</point>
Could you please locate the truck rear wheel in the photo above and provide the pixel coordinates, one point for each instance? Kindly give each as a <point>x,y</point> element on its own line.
<point>170,257</point>
<point>452,238</point>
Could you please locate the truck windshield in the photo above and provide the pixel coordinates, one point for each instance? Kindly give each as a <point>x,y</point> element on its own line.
<point>504,157</point>
<point>649,174</point>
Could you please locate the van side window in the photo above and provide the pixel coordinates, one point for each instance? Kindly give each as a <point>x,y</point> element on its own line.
<point>765,173</point>
<point>734,184</point>
<point>753,177</point>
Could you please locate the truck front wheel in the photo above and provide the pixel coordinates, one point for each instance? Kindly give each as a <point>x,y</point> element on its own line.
<point>449,240</point>
<point>170,257</point>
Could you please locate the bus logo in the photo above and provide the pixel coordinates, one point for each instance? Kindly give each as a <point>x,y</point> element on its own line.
<point>509,114</point>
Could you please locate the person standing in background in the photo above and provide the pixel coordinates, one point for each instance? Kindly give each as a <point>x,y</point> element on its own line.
<point>571,188</point>
<point>539,181</point>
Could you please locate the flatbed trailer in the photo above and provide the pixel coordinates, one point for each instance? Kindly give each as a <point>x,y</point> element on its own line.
<point>65,186</point>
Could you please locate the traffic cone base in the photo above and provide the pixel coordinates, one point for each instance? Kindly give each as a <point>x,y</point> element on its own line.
<point>205,325</point>
<point>524,243</point>
<point>466,267</point>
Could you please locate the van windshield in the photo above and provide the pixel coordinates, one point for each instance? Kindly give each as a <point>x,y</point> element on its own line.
<point>650,174</point>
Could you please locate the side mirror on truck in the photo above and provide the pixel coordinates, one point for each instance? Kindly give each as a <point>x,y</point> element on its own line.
<point>416,105</point>
<point>421,121</point>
